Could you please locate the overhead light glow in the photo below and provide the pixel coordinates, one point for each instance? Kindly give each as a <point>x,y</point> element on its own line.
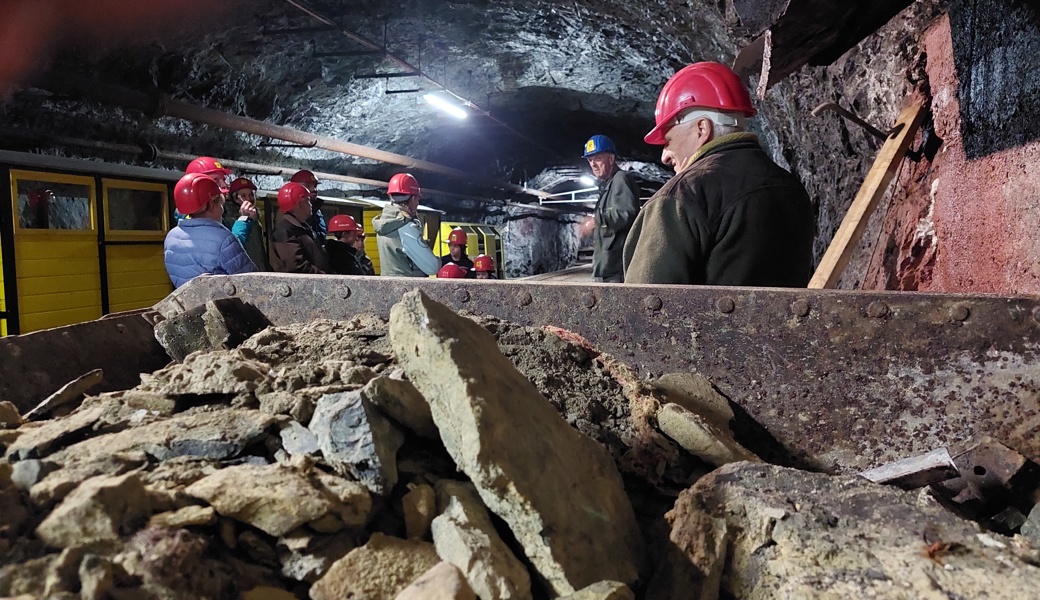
<point>452,109</point>
<point>586,180</point>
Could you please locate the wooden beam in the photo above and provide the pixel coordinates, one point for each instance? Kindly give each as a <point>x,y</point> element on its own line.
<point>792,33</point>
<point>870,193</point>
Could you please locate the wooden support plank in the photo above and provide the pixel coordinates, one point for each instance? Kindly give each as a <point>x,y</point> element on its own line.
<point>870,193</point>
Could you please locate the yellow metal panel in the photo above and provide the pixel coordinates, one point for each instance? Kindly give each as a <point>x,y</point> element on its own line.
<point>48,320</point>
<point>40,303</point>
<point>3,327</point>
<point>138,279</point>
<point>49,246</point>
<point>57,267</point>
<point>371,248</point>
<point>139,297</point>
<point>35,286</point>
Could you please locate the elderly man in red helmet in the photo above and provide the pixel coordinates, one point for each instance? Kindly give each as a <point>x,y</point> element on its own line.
<point>293,247</point>
<point>730,215</point>
<point>402,250</point>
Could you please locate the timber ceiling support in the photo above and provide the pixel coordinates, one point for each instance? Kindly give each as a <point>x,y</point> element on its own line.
<point>793,33</point>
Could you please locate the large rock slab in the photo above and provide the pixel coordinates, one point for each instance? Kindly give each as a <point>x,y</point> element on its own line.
<point>562,496</point>
<point>219,372</point>
<point>356,439</point>
<point>104,508</point>
<point>793,534</point>
<point>275,499</point>
<point>607,590</point>
<point>465,537</point>
<point>379,570</point>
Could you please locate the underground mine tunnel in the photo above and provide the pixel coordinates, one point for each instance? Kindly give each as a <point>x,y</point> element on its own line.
<point>867,431</point>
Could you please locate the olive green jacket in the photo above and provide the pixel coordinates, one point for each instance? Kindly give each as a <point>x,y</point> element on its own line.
<point>731,217</point>
<point>616,210</point>
<point>255,243</point>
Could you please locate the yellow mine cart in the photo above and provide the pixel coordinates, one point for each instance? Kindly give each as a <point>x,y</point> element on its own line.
<point>79,240</point>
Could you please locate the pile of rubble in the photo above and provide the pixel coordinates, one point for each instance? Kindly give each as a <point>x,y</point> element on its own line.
<point>438,456</point>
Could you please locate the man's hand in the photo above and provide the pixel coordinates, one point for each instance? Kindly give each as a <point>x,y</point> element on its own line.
<point>247,209</point>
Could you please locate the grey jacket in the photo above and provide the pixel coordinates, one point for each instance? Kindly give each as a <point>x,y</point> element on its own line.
<point>402,251</point>
<point>616,210</point>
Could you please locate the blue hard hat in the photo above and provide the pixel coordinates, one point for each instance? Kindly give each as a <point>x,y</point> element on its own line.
<point>597,144</point>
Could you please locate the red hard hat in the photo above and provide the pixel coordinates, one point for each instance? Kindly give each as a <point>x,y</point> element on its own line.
<point>404,183</point>
<point>709,85</point>
<point>241,184</point>
<point>291,194</point>
<point>304,176</point>
<point>457,237</point>
<point>193,192</point>
<point>208,165</point>
<point>483,263</point>
<point>452,271</point>
<point>343,223</point>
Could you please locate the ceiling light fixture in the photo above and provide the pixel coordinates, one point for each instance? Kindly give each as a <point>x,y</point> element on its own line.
<point>452,109</point>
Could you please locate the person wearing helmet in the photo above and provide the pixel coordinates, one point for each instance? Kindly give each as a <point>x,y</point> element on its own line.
<point>457,249</point>
<point>317,220</point>
<point>484,267</point>
<point>453,271</point>
<point>293,247</point>
<point>402,250</point>
<point>343,258</point>
<point>616,208</point>
<point>200,243</point>
<point>730,215</point>
<point>240,217</point>
<point>212,168</point>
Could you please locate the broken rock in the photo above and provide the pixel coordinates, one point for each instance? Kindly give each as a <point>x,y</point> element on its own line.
<point>482,406</point>
<point>420,507</point>
<point>305,556</point>
<point>9,416</point>
<point>379,570</point>
<point>275,499</point>
<point>356,439</point>
<point>218,324</point>
<point>465,537</point>
<point>807,535</point>
<point>442,582</point>
<point>700,436</point>
<point>399,399</point>
<point>101,509</point>
<point>608,590</point>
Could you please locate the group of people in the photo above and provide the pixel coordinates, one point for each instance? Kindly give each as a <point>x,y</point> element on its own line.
<point>729,216</point>
<point>218,232</point>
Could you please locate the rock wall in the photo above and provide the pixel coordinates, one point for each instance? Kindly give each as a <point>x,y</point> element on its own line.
<point>965,222</point>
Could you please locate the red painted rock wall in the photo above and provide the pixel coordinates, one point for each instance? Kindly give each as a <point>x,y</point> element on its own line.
<point>959,224</point>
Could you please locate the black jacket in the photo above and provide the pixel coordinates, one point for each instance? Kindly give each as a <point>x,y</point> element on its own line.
<point>616,210</point>
<point>732,217</point>
<point>343,258</point>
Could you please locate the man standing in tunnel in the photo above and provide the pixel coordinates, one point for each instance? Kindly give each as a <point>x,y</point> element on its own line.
<point>402,250</point>
<point>616,208</point>
<point>730,215</point>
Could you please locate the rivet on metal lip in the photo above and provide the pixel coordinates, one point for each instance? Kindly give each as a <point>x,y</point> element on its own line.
<point>800,308</point>
<point>726,304</point>
<point>229,289</point>
<point>345,292</point>
<point>588,300</point>
<point>462,295</point>
<point>653,303</point>
<point>524,298</point>
<point>877,309</point>
<point>285,290</point>
<point>960,313</point>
